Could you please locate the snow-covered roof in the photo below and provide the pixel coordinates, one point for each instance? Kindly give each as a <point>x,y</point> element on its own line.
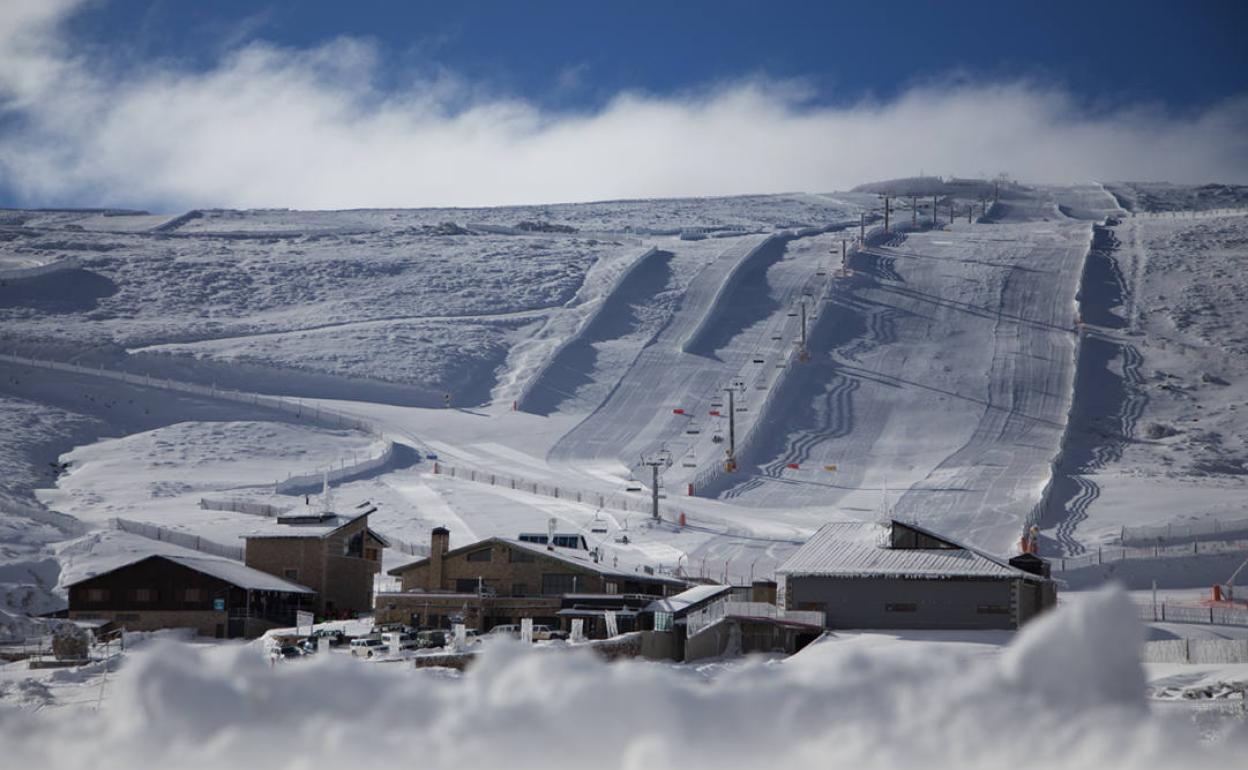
<point>863,549</point>
<point>584,559</point>
<point>573,556</point>
<point>233,572</point>
<point>300,523</point>
<point>686,599</point>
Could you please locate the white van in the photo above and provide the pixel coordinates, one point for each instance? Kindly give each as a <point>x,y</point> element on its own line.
<point>367,647</point>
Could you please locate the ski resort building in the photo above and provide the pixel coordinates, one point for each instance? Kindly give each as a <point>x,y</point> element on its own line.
<point>217,597</point>
<point>335,555</point>
<point>901,575</point>
<point>501,580</point>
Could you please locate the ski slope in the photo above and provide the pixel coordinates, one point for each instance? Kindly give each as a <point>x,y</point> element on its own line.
<point>975,375</point>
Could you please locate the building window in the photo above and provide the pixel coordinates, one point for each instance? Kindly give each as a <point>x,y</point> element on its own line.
<point>901,607</point>
<point>521,557</point>
<point>290,573</point>
<point>143,595</point>
<point>96,595</point>
<point>371,554</point>
<point>519,589</point>
<point>554,583</point>
<point>483,555</point>
<point>993,609</point>
<point>192,595</point>
<point>355,545</point>
<point>663,621</point>
<point>612,587</point>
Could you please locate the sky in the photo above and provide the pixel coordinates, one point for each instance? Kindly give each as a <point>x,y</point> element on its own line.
<point>169,105</point>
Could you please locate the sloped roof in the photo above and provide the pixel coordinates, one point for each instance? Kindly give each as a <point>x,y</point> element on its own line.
<point>233,572</point>
<point>686,599</point>
<point>304,525</point>
<point>861,549</point>
<point>571,556</point>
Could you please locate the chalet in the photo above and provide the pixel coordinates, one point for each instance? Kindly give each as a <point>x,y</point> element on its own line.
<point>902,575</point>
<point>336,555</point>
<point>501,580</point>
<point>217,597</point>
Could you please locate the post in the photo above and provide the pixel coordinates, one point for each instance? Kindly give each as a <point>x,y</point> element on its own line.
<point>933,211</point>
<point>732,426</point>
<point>654,491</point>
<point>862,227</point>
<point>803,354</point>
<point>1154,600</point>
<point>914,211</point>
<point>886,213</point>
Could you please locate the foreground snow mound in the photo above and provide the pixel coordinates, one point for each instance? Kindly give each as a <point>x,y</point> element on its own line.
<point>1046,659</point>
<point>836,705</point>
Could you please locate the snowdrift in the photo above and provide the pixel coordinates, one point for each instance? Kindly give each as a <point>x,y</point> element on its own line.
<point>1067,693</point>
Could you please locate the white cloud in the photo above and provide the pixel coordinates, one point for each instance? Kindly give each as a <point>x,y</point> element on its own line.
<point>270,126</point>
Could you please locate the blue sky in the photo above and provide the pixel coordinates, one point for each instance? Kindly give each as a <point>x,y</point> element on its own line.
<point>579,54</point>
<point>171,104</point>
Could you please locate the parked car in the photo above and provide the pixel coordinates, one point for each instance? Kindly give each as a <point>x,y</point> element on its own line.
<point>546,633</point>
<point>506,629</point>
<point>407,641</point>
<point>288,651</point>
<point>367,646</point>
<point>336,637</point>
<point>430,639</point>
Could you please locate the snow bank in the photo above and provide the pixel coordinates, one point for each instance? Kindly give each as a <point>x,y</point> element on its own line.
<point>1063,695</point>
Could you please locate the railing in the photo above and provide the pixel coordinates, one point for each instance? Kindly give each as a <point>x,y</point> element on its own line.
<point>243,506</point>
<point>1189,213</point>
<point>700,619</point>
<point>1145,535</point>
<point>1167,612</point>
<point>1206,651</point>
<point>614,501</point>
<point>182,539</point>
<point>291,484</point>
<point>1108,555</point>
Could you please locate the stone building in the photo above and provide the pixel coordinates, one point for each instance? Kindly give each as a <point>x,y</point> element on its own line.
<point>335,555</point>
<point>501,580</point>
<point>902,575</point>
<point>215,596</point>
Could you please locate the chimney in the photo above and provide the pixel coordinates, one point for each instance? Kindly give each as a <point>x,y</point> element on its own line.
<point>439,544</point>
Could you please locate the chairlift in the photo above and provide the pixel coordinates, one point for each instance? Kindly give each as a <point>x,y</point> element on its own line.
<point>792,314</point>
<point>776,337</point>
<point>693,431</point>
<point>717,439</point>
<point>758,360</point>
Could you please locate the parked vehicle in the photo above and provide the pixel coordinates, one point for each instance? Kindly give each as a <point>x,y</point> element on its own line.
<point>546,633</point>
<point>289,651</point>
<point>336,637</point>
<point>506,629</point>
<point>407,641</point>
<point>367,647</point>
<point>430,639</point>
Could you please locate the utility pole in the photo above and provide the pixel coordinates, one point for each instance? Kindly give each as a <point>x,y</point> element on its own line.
<point>730,464</point>
<point>661,460</point>
<point>803,354</point>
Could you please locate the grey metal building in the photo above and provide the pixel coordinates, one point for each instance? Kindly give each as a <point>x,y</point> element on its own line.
<point>901,575</point>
